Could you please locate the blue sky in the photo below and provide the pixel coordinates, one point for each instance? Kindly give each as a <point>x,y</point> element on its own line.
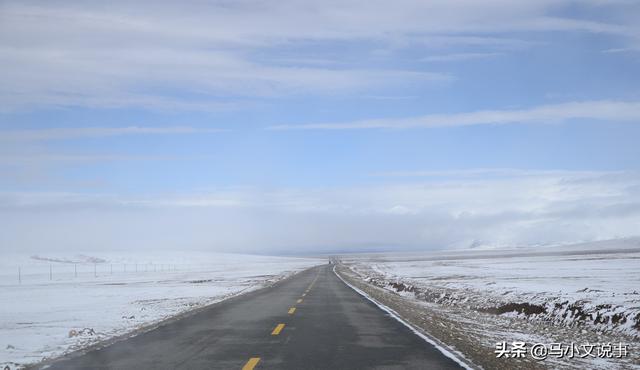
<point>226,125</point>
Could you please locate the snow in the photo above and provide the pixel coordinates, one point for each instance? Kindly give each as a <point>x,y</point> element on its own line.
<point>579,293</point>
<point>49,310</point>
<point>602,281</point>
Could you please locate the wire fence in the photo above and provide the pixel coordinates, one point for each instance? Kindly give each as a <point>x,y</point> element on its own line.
<point>83,271</point>
<point>45,272</point>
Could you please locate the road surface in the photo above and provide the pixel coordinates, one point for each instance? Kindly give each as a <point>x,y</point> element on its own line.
<point>311,321</point>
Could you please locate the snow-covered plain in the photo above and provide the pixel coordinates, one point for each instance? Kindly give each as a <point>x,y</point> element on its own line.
<point>54,304</point>
<point>585,288</point>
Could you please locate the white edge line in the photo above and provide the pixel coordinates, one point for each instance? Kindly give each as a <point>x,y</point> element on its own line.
<point>454,355</point>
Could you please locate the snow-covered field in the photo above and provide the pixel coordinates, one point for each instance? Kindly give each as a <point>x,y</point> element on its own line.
<point>53,304</point>
<point>592,288</point>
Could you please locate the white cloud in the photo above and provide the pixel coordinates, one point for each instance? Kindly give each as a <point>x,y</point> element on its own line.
<point>521,207</point>
<point>459,57</point>
<point>27,151</point>
<point>203,55</point>
<point>590,110</point>
<point>47,134</point>
<point>25,160</point>
<point>622,50</point>
<point>485,172</point>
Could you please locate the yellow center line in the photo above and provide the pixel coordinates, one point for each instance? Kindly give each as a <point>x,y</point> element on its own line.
<point>300,300</point>
<point>292,310</point>
<point>278,329</point>
<point>253,361</point>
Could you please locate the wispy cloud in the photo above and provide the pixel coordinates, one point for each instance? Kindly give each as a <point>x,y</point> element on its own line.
<point>490,172</point>
<point>475,41</point>
<point>96,132</point>
<point>170,56</point>
<point>44,159</point>
<point>606,110</point>
<point>622,50</point>
<point>459,57</point>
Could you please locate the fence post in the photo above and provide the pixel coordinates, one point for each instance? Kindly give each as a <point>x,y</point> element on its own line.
<point>95,273</point>
<point>50,272</point>
<point>111,270</point>
<point>19,276</point>
<point>75,270</point>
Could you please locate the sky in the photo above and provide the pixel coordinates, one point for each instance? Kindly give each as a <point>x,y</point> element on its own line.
<point>317,126</point>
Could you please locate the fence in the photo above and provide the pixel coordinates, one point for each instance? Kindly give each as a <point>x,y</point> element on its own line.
<point>82,271</point>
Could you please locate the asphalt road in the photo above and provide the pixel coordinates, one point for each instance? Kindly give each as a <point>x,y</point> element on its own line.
<point>311,321</point>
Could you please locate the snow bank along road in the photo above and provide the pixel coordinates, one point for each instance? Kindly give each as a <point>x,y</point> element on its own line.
<point>310,321</point>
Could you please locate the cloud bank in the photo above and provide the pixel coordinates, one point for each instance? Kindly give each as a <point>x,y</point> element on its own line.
<point>450,211</point>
